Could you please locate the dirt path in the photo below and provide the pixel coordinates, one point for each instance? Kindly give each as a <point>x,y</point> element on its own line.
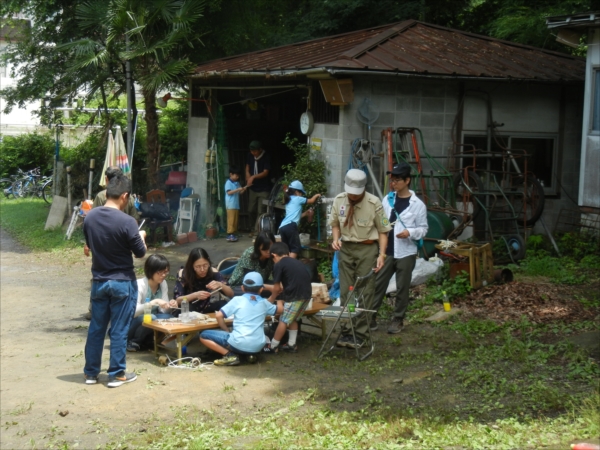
<point>42,338</point>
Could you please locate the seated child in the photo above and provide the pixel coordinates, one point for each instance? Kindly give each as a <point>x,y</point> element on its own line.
<point>249,311</point>
<point>297,291</point>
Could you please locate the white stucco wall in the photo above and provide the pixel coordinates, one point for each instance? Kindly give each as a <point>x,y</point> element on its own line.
<point>589,183</point>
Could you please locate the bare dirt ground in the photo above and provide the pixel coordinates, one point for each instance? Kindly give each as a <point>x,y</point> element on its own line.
<point>43,398</point>
<point>44,402</point>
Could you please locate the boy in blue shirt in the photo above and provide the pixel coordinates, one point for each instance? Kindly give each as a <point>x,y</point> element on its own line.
<point>248,336</point>
<point>232,202</point>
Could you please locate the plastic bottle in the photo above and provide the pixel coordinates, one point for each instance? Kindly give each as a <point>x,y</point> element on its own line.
<point>351,306</point>
<point>147,310</point>
<point>447,306</point>
<point>185,310</point>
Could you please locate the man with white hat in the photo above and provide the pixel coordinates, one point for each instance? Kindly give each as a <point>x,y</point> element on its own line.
<point>360,230</point>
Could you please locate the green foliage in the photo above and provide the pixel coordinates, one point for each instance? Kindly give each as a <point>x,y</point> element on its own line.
<point>308,169</point>
<point>26,151</point>
<point>579,245</point>
<point>324,267</point>
<point>456,287</point>
<point>173,131</point>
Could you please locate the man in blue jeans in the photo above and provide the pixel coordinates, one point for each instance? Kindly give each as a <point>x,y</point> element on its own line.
<point>112,236</point>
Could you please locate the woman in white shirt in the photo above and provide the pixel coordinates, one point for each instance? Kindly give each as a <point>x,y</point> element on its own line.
<point>152,289</point>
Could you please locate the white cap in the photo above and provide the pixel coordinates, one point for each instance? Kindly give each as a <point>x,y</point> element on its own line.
<point>355,181</point>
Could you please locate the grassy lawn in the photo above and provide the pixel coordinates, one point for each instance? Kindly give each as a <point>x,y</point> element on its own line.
<point>468,383</point>
<point>24,219</point>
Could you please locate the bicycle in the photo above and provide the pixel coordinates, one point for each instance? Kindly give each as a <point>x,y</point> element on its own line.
<point>26,186</point>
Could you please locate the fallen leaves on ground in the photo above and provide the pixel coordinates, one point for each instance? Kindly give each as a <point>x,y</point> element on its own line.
<point>539,302</point>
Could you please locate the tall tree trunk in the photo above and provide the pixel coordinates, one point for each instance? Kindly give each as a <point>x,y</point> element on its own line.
<point>152,144</point>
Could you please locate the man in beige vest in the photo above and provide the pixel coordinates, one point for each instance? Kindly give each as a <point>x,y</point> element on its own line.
<point>360,231</point>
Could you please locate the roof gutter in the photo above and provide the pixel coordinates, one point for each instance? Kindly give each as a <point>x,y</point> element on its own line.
<point>452,77</point>
<point>333,72</point>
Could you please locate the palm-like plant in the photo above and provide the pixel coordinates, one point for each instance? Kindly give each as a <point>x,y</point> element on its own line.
<point>155,36</point>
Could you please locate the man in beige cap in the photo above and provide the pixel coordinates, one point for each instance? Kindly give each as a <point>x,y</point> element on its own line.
<point>360,231</point>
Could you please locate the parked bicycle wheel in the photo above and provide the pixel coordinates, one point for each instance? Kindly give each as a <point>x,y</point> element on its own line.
<point>529,200</point>
<point>465,192</point>
<point>17,188</point>
<point>47,192</point>
<point>6,186</point>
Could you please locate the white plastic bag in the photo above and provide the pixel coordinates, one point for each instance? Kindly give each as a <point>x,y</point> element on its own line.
<point>421,273</point>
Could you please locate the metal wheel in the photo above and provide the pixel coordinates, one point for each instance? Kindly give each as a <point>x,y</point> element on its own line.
<point>465,191</point>
<point>47,192</point>
<point>529,200</point>
<point>6,186</point>
<point>17,188</point>
<point>516,247</point>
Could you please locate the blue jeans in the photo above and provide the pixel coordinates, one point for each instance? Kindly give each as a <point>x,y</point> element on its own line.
<point>220,337</point>
<point>112,301</point>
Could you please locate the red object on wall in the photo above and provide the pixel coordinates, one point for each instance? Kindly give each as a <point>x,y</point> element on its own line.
<point>176,178</point>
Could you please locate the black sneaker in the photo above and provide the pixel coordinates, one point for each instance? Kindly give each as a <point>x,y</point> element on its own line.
<point>396,326</point>
<point>373,325</point>
<point>290,348</point>
<point>90,379</point>
<point>343,341</point>
<point>132,347</point>
<point>120,379</point>
<point>355,343</point>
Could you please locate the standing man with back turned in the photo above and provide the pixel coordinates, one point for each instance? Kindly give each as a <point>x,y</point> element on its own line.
<point>112,236</point>
<point>360,230</point>
<point>258,167</point>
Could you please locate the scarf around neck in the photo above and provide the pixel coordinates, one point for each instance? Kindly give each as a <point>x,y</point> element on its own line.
<point>349,220</point>
<point>256,158</point>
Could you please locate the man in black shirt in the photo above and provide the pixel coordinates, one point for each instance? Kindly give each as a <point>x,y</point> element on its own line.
<point>296,293</point>
<point>112,236</point>
<point>258,168</point>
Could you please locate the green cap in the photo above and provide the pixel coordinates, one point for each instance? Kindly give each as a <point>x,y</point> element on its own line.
<point>255,145</point>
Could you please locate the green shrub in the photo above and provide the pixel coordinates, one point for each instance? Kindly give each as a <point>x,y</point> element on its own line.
<point>309,170</point>
<point>26,151</point>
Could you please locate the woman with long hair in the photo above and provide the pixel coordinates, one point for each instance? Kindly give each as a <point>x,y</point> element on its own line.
<point>254,259</point>
<point>198,282</point>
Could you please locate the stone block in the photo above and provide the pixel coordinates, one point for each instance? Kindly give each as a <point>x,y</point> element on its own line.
<point>385,88</point>
<point>408,89</point>
<point>435,105</point>
<point>384,102</point>
<point>58,211</point>
<point>450,105</point>
<point>386,119</point>
<point>412,104</point>
<point>192,236</point>
<point>432,120</point>
<point>331,131</point>
<point>406,119</point>
<point>433,90</point>
<point>182,238</point>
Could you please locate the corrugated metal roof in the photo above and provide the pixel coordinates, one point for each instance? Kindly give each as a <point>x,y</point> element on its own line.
<point>409,47</point>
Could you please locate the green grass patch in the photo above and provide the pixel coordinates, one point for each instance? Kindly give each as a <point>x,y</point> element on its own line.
<point>24,220</point>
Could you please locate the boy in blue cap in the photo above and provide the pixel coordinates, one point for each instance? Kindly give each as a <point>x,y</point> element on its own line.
<point>248,336</point>
<point>288,229</point>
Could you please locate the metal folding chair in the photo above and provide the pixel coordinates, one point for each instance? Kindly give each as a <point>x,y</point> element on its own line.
<point>341,313</point>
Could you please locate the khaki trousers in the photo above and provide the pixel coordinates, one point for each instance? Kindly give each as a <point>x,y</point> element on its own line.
<point>256,207</point>
<point>232,220</point>
<point>356,260</point>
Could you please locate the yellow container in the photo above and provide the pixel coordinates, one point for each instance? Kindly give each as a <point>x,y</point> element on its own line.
<point>147,318</point>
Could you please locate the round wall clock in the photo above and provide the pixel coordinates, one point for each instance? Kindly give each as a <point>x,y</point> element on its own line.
<point>307,123</point>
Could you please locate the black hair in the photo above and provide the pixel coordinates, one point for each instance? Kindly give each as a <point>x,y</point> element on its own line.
<point>189,274</point>
<point>112,171</point>
<point>280,249</point>
<point>235,170</point>
<point>404,178</point>
<point>264,239</point>
<point>287,195</point>
<point>251,289</point>
<point>118,186</point>
<point>155,263</point>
